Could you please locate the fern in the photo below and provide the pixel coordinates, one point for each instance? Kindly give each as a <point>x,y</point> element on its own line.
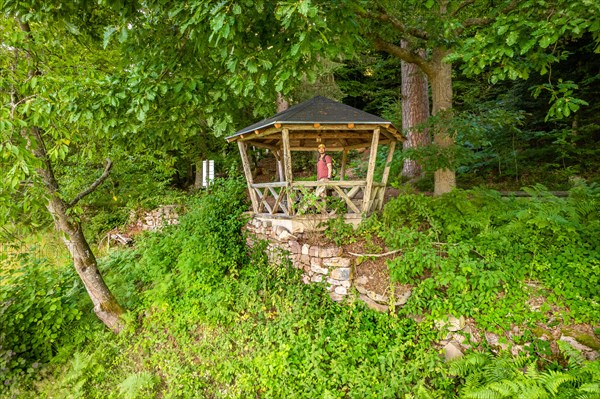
<point>483,393</point>
<point>135,385</point>
<point>552,380</point>
<point>589,391</point>
<point>467,364</point>
<point>575,357</point>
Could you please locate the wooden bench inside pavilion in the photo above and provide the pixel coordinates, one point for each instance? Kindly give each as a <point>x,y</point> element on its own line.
<point>302,127</point>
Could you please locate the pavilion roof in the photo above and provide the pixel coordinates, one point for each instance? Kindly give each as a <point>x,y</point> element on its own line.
<point>334,122</point>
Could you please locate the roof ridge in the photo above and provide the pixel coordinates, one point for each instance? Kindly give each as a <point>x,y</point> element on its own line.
<point>295,109</point>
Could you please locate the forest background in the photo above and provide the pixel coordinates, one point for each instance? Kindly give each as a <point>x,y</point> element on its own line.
<point>108,106</point>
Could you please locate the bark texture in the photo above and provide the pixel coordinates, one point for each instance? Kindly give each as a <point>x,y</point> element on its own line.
<point>415,110</point>
<point>106,306</point>
<point>441,93</point>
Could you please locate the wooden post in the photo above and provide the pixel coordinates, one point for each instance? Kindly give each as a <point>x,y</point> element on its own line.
<point>248,174</point>
<point>287,167</point>
<point>280,176</point>
<point>388,163</point>
<point>343,168</point>
<point>370,171</point>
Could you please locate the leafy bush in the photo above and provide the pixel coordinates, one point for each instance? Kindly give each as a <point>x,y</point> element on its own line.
<point>207,244</point>
<point>37,307</point>
<point>467,249</point>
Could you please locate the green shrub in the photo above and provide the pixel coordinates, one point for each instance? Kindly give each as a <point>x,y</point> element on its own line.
<point>37,308</point>
<point>203,248</point>
<point>467,249</point>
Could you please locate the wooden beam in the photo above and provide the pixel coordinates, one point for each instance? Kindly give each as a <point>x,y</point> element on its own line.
<point>260,144</point>
<point>312,183</point>
<point>253,135</point>
<point>248,173</point>
<point>287,166</point>
<point>263,200</point>
<point>329,149</point>
<point>338,126</point>
<point>398,135</point>
<point>270,184</point>
<point>348,201</point>
<point>388,162</point>
<point>371,171</point>
<point>278,197</point>
<point>330,135</point>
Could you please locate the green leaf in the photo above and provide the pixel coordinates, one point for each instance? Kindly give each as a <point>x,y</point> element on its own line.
<point>108,32</point>
<point>546,41</point>
<point>512,38</point>
<point>123,34</point>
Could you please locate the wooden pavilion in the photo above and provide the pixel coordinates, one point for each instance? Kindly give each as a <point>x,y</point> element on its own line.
<point>302,128</point>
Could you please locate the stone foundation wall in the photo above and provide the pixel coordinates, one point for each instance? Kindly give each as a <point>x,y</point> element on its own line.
<point>319,263</point>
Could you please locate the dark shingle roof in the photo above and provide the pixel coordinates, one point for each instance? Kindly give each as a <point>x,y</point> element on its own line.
<point>316,110</point>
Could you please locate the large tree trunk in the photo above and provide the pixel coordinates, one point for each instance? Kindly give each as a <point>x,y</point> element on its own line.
<point>415,110</point>
<point>441,93</point>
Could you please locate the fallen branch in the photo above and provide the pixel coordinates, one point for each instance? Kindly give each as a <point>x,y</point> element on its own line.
<point>375,255</point>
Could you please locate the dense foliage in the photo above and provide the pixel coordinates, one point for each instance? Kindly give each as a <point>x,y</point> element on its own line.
<point>468,249</point>
<point>210,318</point>
<point>38,305</point>
<point>154,85</point>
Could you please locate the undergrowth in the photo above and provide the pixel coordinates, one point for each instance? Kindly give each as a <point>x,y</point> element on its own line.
<point>210,318</point>
<point>472,253</point>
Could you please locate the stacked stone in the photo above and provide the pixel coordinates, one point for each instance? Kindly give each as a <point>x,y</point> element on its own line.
<point>157,218</point>
<point>321,264</point>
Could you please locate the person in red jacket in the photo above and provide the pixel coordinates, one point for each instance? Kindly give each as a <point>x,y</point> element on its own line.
<point>324,164</point>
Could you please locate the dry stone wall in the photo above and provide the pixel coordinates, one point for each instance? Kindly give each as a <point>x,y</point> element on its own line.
<point>157,218</point>
<point>321,263</point>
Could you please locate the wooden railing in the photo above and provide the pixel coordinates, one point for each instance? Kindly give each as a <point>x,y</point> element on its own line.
<point>304,197</point>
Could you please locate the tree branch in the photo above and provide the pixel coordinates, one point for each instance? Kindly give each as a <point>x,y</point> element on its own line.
<point>461,6</point>
<point>375,255</point>
<point>403,54</point>
<point>395,23</point>
<point>94,185</point>
<point>470,22</point>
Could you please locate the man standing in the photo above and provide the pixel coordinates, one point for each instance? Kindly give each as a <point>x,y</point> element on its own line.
<point>324,164</point>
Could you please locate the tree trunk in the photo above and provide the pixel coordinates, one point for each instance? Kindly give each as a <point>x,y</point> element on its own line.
<point>415,110</point>
<point>198,174</point>
<point>441,93</point>
<point>282,103</point>
<point>106,306</point>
